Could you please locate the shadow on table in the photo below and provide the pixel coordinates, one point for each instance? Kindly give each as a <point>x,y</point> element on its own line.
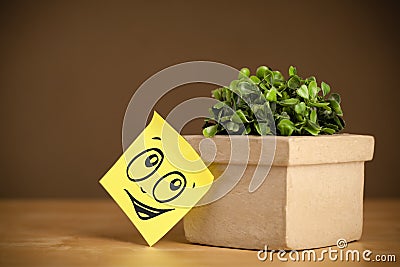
<point>116,226</point>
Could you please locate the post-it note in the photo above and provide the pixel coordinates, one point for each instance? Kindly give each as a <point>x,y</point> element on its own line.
<point>157,180</point>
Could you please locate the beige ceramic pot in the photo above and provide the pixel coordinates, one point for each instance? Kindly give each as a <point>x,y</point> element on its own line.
<point>312,196</point>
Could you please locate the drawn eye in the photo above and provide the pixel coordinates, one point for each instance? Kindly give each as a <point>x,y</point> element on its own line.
<point>144,164</point>
<point>169,187</point>
<point>175,184</point>
<point>151,160</point>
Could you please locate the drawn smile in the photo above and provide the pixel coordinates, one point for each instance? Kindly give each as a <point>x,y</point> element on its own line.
<point>144,211</point>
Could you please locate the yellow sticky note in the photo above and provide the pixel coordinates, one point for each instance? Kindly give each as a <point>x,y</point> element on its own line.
<point>158,179</point>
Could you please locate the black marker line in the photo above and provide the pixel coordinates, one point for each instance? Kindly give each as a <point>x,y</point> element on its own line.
<point>156,138</point>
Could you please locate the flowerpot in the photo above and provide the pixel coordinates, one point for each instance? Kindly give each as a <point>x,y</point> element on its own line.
<point>311,197</point>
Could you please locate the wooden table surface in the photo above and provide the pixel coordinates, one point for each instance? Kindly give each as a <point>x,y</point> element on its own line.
<point>97,233</point>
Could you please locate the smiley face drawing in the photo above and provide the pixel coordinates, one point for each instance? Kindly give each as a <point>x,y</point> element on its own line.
<point>158,179</point>
<point>152,159</point>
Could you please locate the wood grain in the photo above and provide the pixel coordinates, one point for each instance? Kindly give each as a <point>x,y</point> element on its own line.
<point>97,233</point>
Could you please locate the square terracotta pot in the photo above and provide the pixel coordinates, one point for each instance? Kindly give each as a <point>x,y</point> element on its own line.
<point>312,196</point>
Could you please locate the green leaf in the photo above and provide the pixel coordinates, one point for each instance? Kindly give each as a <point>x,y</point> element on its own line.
<point>310,79</point>
<point>219,105</point>
<point>239,113</point>
<point>231,126</point>
<point>260,111</point>
<point>325,88</point>
<point>289,102</point>
<point>278,76</point>
<point>283,115</point>
<point>257,107</point>
<point>301,123</point>
<point>292,71</point>
<point>211,112</point>
<point>300,108</point>
<point>210,131</point>
<point>228,94</point>
<point>255,79</point>
<point>336,107</point>
<point>216,93</point>
<point>285,95</point>
<point>236,119</point>
<point>271,95</point>
<point>328,130</point>
<point>313,89</point>
<point>261,71</point>
<point>332,126</point>
<point>294,82</point>
<point>263,86</point>
<point>313,125</point>
<point>279,84</point>
<point>224,119</point>
<point>233,85</point>
<point>269,77</point>
<point>262,128</point>
<point>245,88</point>
<point>335,97</point>
<point>244,73</point>
<point>303,91</point>
<point>282,86</point>
<point>257,127</point>
<point>311,130</point>
<point>313,115</point>
<point>319,104</point>
<point>286,127</point>
<point>340,122</point>
<point>323,105</point>
<point>247,130</point>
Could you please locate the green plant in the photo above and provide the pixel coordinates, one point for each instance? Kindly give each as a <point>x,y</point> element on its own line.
<point>297,106</point>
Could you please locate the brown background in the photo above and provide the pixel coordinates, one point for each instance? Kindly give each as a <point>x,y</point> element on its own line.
<point>69,68</point>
